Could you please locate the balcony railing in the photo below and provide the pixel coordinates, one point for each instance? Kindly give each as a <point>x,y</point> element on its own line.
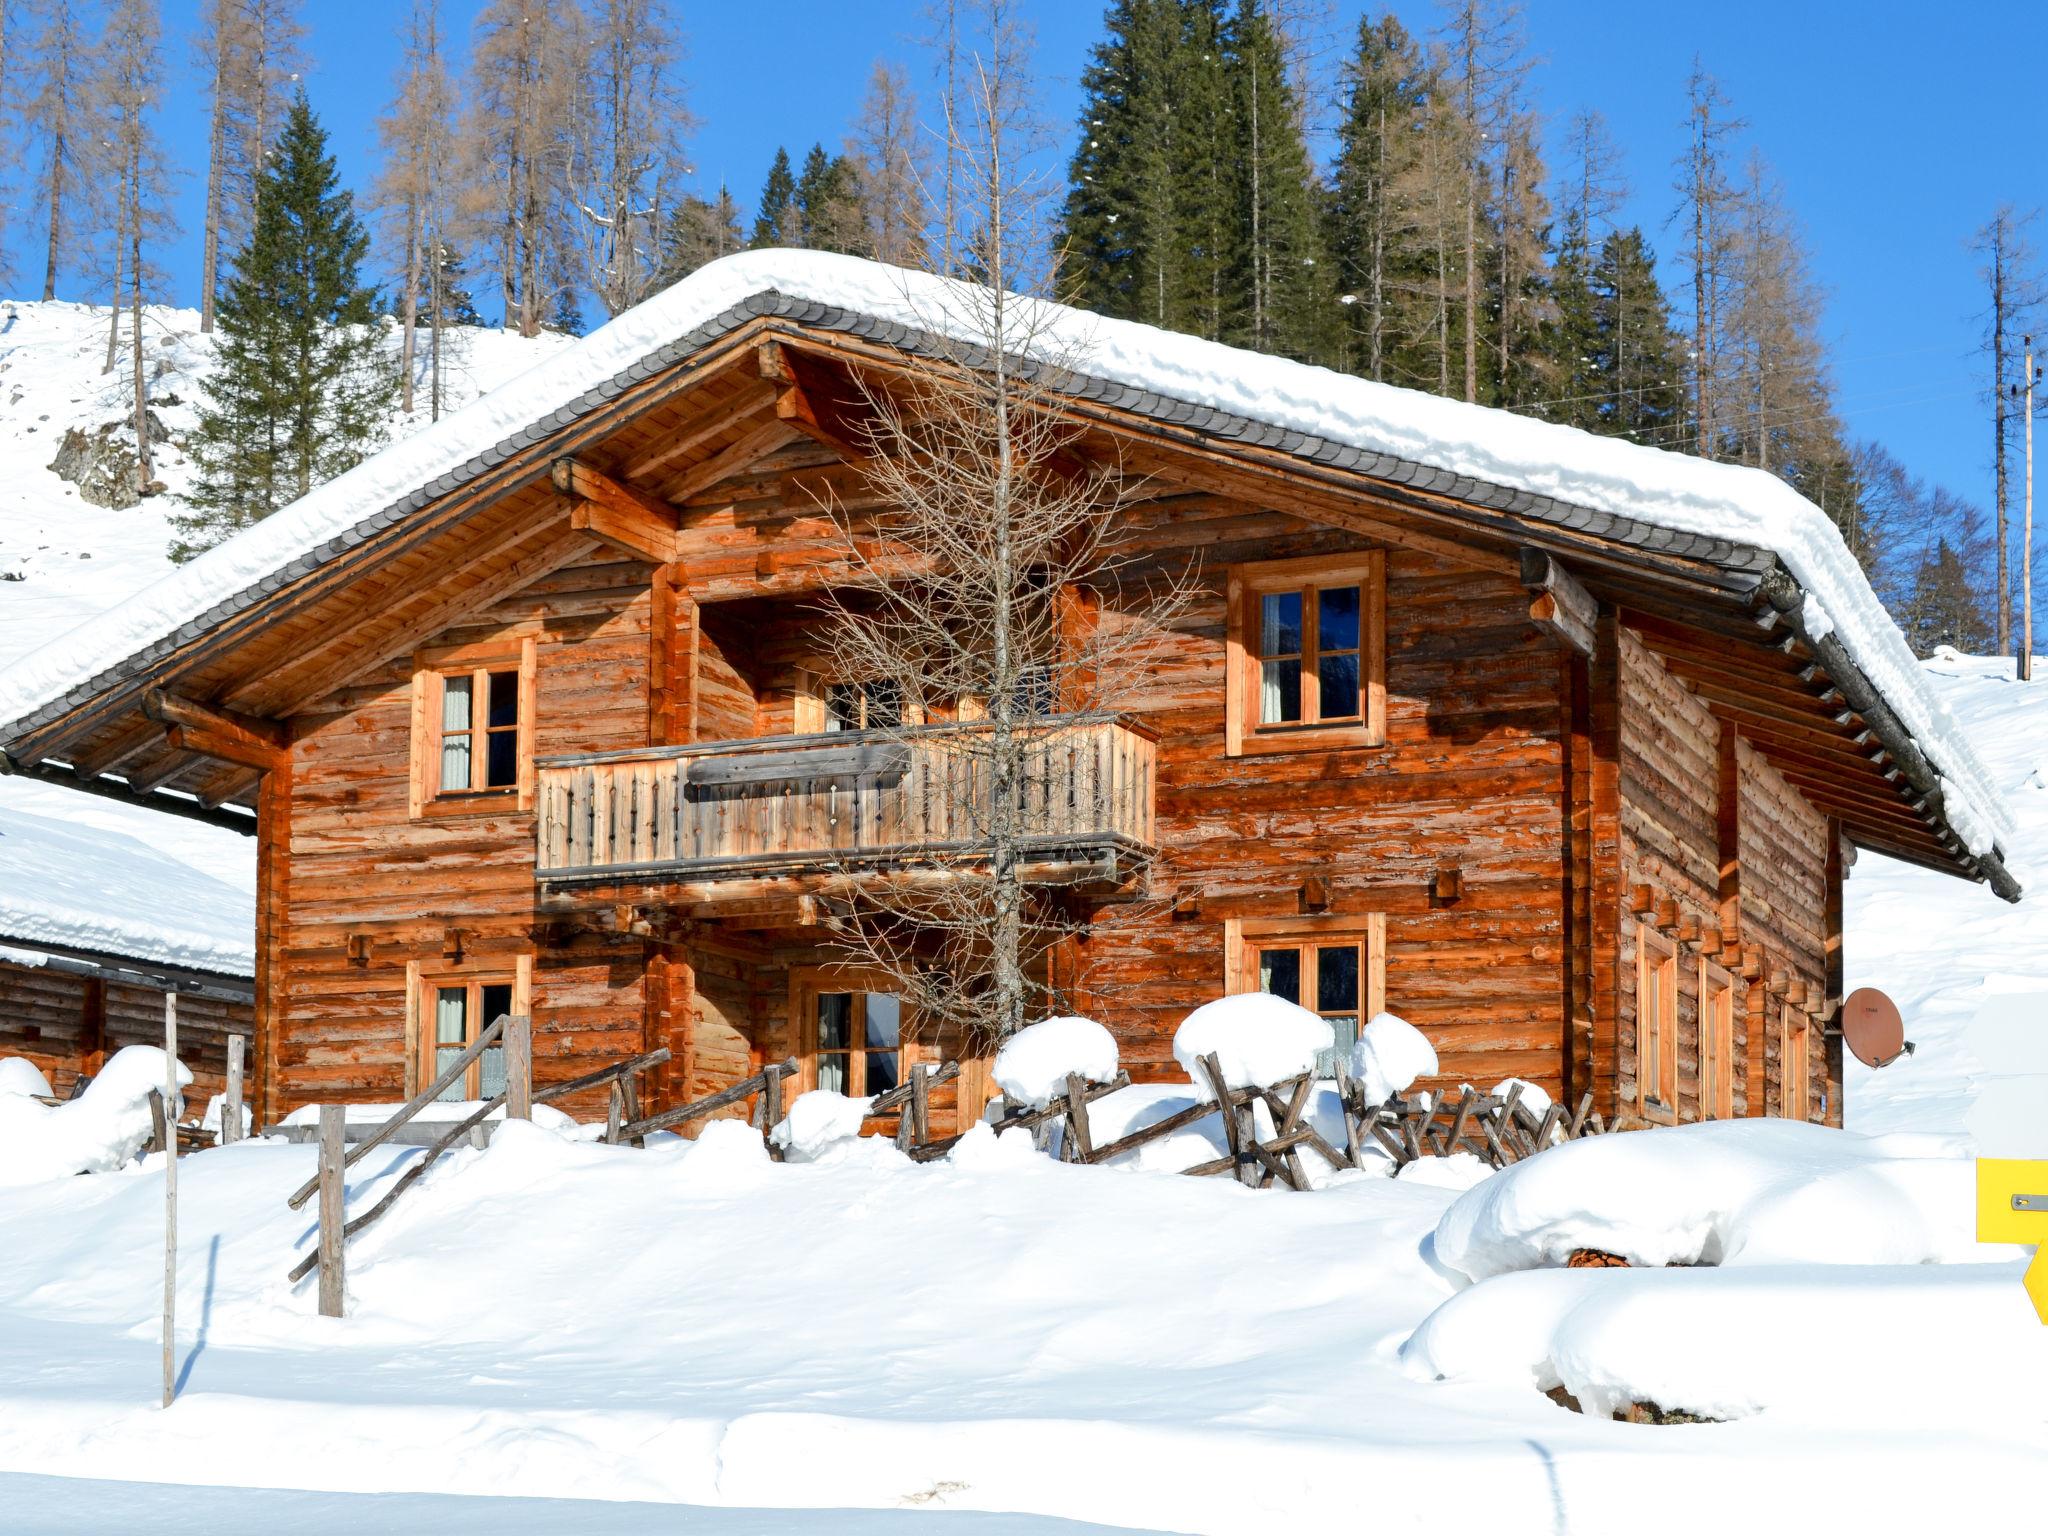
<point>846,801</point>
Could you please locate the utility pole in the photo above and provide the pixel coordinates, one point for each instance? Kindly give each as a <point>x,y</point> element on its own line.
<point>2027,534</point>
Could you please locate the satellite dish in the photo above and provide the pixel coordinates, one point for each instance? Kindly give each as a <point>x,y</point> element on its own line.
<point>1872,1028</point>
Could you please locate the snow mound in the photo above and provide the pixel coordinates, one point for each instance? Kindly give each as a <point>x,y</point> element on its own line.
<point>448,1111</point>
<point>818,1119</point>
<point>216,1113</point>
<point>1257,1038</point>
<point>1742,1192</point>
<point>20,1075</point>
<point>1033,1064</point>
<point>1389,1056</point>
<point>1461,1170</point>
<point>985,1149</point>
<point>101,1130</point>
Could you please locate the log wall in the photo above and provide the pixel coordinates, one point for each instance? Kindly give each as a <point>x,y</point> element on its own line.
<point>68,1024</point>
<point>1783,848</point>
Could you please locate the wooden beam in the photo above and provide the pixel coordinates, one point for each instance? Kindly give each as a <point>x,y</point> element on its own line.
<point>115,789</point>
<point>1558,605</point>
<point>224,734</point>
<point>623,517</point>
<point>750,401</point>
<point>756,444</point>
<point>825,409</point>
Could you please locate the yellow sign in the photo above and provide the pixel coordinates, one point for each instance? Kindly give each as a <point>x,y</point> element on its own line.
<point>2012,1207</point>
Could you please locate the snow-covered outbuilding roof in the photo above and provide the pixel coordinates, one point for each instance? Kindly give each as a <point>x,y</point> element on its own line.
<point>98,895</point>
<point>1746,524</point>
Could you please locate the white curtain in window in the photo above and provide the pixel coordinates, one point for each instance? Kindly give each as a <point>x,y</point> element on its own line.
<point>455,740</point>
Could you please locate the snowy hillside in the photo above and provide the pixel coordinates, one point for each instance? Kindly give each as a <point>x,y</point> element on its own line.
<point>63,559</point>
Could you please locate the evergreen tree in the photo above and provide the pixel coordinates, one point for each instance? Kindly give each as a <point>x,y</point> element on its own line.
<point>1636,370</point>
<point>1947,606</point>
<point>302,385</point>
<point>700,230</point>
<point>828,204</point>
<point>449,300</point>
<point>1286,301</point>
<point>778,220</point>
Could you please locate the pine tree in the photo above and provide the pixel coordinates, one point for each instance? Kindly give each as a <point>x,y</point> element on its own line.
<point>1635,374</point>
<point>1286,299</point>
<point>446,297</point>
<point>699,231</point>
<point>778,221</point>
<point>828,205</point>
<point>302,385</point>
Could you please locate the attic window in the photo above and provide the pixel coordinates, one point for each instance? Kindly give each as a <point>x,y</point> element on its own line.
<point>1307,654</point>
<point>473,729</point>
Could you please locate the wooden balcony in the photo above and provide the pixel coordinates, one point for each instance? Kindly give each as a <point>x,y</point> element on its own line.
<point>846,803</point>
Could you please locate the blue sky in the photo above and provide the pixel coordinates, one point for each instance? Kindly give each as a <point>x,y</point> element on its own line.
<point>1896,129</point>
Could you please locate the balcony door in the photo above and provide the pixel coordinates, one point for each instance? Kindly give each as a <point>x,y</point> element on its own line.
<point>851,1031</point>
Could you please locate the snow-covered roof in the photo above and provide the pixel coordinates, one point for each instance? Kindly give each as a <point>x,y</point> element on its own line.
<point>97,893</point>
<point>1703,506</point>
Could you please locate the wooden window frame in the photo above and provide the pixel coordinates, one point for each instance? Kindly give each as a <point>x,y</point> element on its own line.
<point>1657,1101</point>
<point>1795,1085</point>
<point>807,983</point>
<point>423,979</point>
<point>430,670</point>
<point>1245,937</point>
<point>1717,1041</point>
<point>1244,735</point>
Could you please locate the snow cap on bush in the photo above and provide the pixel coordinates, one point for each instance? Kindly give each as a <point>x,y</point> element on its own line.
<point>1257,1038</point>
<point>1033,1064</point>
<point>1390,1055</point>
<point>101,1130</point>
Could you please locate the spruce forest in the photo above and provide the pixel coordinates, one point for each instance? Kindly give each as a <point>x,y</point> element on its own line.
<point>1388,203</point>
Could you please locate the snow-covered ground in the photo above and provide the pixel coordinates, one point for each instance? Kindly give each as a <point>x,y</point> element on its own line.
<point>64,560</point>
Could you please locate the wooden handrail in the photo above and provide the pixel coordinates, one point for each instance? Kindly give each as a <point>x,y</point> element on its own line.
<point>745,1088</point>
<point>800,741</point>
<point>413,1106</point>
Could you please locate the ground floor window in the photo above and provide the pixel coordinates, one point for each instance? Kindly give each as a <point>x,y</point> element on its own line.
<point>853,1035</point>
<point>1717,1042</point>
<point>1333,966</point>
<point>1656,1024</point>
<point>451,1008</point>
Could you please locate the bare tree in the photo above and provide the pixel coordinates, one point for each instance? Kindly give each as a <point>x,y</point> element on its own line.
<point>626,148</point>
<point>56,68</point>
<point>129,84</point>
<point>249,53</point>
<point>992,546</point>
<point>1707,201</point>
<point>1775,362</point>
<point>415,194</point>
<point>1485,46</point>
<point>2013,283</point>
<point>886,146</point>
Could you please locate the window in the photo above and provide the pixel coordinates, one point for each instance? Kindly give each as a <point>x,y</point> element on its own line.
<point>1717,1042</point>
<point>853,1031</point>
<point>1793,1067</point>
<point>873,705</point>
<point>452,1005</point>
<point>1656,1025</point>
<point>473,728</point>
<point>1332,966</point>
<point>1307,654</point>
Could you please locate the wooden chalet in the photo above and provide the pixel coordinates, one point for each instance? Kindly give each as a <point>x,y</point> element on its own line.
<point>84,967</point>
<point>527,714</point>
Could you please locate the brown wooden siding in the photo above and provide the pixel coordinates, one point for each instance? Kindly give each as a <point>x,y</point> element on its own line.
<point>68,1024</point>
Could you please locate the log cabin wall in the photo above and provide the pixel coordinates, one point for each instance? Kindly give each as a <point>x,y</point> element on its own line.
<point>1670,842</point>
<point>1784,899</point>
<point>370,889</point>
<point>68,1024</point>
<point>1471,778</point>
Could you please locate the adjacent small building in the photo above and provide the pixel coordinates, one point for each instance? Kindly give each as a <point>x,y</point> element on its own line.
<point>1557,746</point>
<point>95,929</point>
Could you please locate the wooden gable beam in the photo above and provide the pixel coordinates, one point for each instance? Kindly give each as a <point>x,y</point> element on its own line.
<point>224,734</point>
<point>1558,605</point>
<point>756,445</point>
<point>750,401</point>
<point>624,518</point>
<point>817,405</point>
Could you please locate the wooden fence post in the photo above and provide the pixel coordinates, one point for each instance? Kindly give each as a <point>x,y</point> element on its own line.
<point>231,1108</point>
<point>1077,1119</point>
<point>170,1123</point>
<point>333,1149</point>
<point>519,1067</point>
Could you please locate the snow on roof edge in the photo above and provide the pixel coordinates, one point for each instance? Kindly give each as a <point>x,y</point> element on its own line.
<point>1745,507</point>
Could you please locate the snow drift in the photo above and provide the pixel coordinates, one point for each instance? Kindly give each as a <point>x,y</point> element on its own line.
<point>101,1130</point>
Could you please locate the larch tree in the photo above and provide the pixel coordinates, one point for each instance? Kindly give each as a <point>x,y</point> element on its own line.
<point>1706,211</point>
<point>248,53</point>
<point>1589,189</point>
<point>525,69</point>
<point>2013,288</point>
<point>302,386</point>
<point>53,96</point>
<point>626,148</point>
<point>890,155</point>
<point>129,85</point>
<point>1484,65</point>
<point>1007,618</point>
<point>416,197</point>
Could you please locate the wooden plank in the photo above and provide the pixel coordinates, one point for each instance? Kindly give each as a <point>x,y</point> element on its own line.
<point>519,1067</point>
<point>333,1160</point>
<point>1559,605</point>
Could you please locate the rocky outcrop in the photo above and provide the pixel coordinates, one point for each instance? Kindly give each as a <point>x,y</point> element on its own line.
<point>101,463</point>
